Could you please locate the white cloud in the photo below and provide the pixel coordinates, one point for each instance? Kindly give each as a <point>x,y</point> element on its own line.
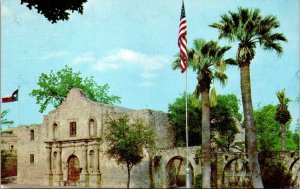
<point>146,84</point>
<point>17,16</point>
<point>85,58</point>
<point>124,57</point>
<point>55,54</point>
<point>103,66</point>
<point>6,12</point>
<point>148,75</point>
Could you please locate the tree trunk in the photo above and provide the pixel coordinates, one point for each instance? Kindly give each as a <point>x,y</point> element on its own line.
<point>283,137</point>
<point>249,125</point>
<point>206,148</point>
<point>128,174</point>
<point>151,174</point>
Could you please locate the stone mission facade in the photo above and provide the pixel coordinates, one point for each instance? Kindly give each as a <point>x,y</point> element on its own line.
<point>68,147</point>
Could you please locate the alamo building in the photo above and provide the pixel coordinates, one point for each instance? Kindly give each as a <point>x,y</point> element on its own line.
<point>68,149</point>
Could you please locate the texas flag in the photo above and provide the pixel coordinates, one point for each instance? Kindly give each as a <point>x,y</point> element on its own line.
<point>11,98</point>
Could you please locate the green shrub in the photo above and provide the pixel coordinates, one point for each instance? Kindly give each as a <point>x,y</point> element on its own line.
<point>198,181</point>
<point>275,175</point>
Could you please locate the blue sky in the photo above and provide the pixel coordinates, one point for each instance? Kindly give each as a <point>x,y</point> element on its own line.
<point>130,45</point>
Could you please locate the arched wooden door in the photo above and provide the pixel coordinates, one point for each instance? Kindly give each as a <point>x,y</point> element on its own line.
<point>73,170</point>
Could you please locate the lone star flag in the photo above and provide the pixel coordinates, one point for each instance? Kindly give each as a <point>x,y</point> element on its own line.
<point>11,98</point>
<point>182,42</point>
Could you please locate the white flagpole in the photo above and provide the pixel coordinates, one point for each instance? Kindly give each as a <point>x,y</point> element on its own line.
<point>188,179</point>
<point>19,112</point>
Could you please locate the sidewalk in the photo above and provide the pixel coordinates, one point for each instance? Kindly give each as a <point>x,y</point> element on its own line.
<point>34,186</point>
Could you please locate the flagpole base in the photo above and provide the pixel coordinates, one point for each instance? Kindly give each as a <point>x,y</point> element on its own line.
<point>188,178</point>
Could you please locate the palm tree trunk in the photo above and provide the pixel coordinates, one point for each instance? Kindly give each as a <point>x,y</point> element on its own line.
<point>206,151</point>
<point>283,137</point>
<point>250,127</point>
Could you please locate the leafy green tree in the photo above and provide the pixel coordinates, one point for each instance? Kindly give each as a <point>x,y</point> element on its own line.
<point>206,59</point>
<point>55,10</point>
<point>283,115</point>
<point>126,139</point>
<point>268,130</point>
<point>55,87</point>
<point>4,120</point>
<point>296,136</point>
<point>225,117</point>
<point>222,121</point>
<point>177,118</point>
<point>249,28</point>
<point>231,103</point>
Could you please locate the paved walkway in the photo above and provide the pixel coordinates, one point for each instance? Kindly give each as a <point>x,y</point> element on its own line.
<point>34,186</point>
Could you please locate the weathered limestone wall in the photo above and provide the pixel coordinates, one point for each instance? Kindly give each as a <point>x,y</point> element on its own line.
<point>115,176</point>
<point>9,139</point>
<point>31,171</point>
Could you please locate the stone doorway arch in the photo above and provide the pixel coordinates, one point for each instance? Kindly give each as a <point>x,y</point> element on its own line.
<point>73,170</point>
<point>236,174</point>
<point>176,172</point>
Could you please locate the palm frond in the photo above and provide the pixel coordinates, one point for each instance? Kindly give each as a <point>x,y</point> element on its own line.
<point>248,27</point>
<point>176,62</point>
<point>244,14</point>
<point>221,77</point>
<point>273,46</point>
<point>221,51</point>
<point>231,61</point>
<point>213,97</point>
<point>197,91</point>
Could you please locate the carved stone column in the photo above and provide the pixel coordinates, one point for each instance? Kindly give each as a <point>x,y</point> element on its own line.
<point>96,160</point>
<point>58,176</point>
<point>95,177</point>
<point>84,175</point>
<point>49,159</point>
<point>220,170</point>
<point>84,160</point>
<point>59,170</point>
<point>49,164</point>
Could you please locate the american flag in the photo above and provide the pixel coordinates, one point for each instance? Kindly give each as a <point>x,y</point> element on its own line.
<point>182,42</point>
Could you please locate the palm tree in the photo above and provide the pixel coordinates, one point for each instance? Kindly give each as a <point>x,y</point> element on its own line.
<point>3,120</point>
<point>249,28</point>
<point>282,115</point>
<point>206,59</point>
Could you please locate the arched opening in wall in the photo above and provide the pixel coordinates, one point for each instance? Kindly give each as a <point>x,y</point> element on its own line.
<point>294,170</point>
<point>236,174</point>
<point>73,170</point>
<point>54,161</point>
<point>55,131</point>
<point>176,172</point>
<point>92,128</point>
<point>91,160</point>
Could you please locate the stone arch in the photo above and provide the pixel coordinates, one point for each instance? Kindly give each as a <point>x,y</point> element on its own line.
<point>292,166</point>
<point>54,164</point>
<point>294,169</point>
<point>91,160</point>
<point>55,133</point>
<point>176,172</point>
<point>73,174</point>
<point>92,127</point>
<point>235,173</point>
